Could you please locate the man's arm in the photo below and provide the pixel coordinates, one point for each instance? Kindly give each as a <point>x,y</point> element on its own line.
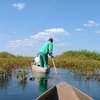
<point>51,49</point>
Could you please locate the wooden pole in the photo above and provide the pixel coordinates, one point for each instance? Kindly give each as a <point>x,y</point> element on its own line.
<point>54,66</point>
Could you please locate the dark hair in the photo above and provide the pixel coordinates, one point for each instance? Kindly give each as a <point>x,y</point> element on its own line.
<point>50,39</point>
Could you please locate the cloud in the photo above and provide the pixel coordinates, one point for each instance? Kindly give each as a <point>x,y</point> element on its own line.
<point>49,33</point>
<point>79,29</point>
<point>91,23</point>
<point>41,36</point>
<point>21,43</point>
<point>19,6</point>
<point>55,30</point>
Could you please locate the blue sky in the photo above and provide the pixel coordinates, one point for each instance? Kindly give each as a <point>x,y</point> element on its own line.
<point>25,25</point>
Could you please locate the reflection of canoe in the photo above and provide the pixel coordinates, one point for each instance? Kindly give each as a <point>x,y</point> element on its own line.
<point>37,75</point>
<point>40,69</point>
<point>63,91</point>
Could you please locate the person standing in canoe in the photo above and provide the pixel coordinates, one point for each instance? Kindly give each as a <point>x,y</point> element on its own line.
<point>46,50</point>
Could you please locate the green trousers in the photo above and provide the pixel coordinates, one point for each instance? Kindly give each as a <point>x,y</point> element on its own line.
<point>43,60</point>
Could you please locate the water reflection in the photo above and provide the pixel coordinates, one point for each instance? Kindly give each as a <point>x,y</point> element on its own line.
<point>23,83</point>
<point>42,79</point>
<point>13,88</point>
<point>42,85</point>
<point>22,77</point>
<point>4,81</point>
<point>87,83</point>
<point>4,84</point>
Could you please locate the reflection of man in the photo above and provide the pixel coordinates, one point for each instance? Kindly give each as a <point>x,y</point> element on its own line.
<point>46,49</point>
<point>42,85</point>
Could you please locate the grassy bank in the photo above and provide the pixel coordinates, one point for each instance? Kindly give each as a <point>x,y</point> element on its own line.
<point>82,61</point>
<point>78,60</point>
<point>9,61</point>
<point>12,61</point>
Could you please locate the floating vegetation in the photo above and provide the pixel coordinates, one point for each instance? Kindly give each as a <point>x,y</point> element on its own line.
<point>22,77</point>
<point>5,73</point>
<point>22,73</point>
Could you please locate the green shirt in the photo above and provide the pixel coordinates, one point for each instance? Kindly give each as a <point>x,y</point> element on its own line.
<point>47,48</point>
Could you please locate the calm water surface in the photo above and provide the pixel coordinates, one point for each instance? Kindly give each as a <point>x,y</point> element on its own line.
<point>16,89</point>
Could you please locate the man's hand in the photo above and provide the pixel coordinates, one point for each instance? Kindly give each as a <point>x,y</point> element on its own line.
<point>51,56</point>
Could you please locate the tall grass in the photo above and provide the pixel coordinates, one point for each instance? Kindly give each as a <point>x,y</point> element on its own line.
<point>78,60</point>
<point>9,62</point>
<point>84,62</point>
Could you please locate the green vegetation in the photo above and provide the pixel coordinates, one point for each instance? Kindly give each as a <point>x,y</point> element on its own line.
<point>83,55</point>
<point>22,73</point>
<point>22,76</point>
<point>81,61</point>
<point>12,61</point>
<point>9,61</point>
<point>83,58</point>
<point>6,55</point>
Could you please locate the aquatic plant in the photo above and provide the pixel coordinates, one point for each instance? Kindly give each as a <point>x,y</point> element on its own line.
<point>8,62</point>
<point>22,73</point>
<point>84,62</point>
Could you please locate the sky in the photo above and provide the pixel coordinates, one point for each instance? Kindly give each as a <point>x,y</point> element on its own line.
<point>25,25</point>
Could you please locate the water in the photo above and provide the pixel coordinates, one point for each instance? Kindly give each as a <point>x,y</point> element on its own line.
<point>16,89</point>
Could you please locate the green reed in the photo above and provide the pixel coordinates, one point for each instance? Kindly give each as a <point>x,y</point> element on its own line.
<point>84,62</point>
<point>8,62</point>
<point>22,73</point>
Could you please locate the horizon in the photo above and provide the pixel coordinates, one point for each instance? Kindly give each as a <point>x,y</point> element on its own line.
<point>54,55</point>
<point>25,25</point>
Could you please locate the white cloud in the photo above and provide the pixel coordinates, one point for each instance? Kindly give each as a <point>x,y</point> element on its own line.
<point>91,23</point>
<point>79,29</point>
<point>50,33</point>
<point>41,36</point>
<point>19,6</point>
<point>21,43</point>
<point>55,30</point>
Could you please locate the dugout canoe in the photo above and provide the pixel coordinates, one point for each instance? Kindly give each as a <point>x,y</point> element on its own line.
<point>63,91</point>
<point>39,69</point>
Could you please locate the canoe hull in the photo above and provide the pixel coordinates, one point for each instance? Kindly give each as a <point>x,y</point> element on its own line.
<point>39,69</point>
<point>64,91</point>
